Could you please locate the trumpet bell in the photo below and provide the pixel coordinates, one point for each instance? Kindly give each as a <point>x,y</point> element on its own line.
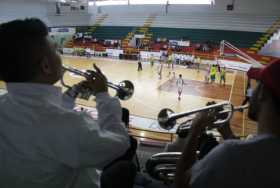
<point>126,90</point>
<point>163,119</point>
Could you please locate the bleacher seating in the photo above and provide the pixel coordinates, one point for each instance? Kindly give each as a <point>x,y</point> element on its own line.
<point>217,21</point>
<point>271,48</point>
<point>111,32</point>
<point>212,21</point>
<point>134,20</point>
<point>241,30</point>
<point>237,38</point>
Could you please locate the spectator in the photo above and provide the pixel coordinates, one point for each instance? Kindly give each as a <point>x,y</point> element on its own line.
<point>42,143</point>
<point>152,60</point>
<point>235,163</point>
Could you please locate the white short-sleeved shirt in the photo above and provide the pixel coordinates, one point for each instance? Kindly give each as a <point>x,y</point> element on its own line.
<point>42,143</point>
<point>180,83</point>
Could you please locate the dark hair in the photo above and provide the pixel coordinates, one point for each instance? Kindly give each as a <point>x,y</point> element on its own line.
<point>22,47</point>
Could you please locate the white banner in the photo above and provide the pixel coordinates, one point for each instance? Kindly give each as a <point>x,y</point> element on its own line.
<point>148,55</point>
<point>68,50</point>
<point>114,52</point>
<point>180,43</point>
<point>139,36</point>
<point>184,43</point>
<point>89,51</point>
<point>184,57</point>
<point>63,31</point>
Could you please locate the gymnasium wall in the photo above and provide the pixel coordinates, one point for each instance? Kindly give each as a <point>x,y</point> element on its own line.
<point>13,9</point>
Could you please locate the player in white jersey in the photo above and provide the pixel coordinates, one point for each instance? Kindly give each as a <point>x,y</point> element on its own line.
<point>171,62</point>
<point>160,67</point>
<point>173,66</point>
<point>180,83</point>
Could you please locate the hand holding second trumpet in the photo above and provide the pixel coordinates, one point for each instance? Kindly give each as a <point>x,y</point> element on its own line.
<point>96,81</point>
<point>203,120</point>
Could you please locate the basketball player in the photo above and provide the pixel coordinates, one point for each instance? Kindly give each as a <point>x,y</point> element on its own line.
<point>213,72</point>
<point>139,66</point>
<point>180,83</point>
<point>88,52</point>
<point>160,67</point>
<point>218,65</point>
<point>152,60</point>
<point>169,65</point>
<point>223,75</point>
<point>173,66</point>
<point>207,74</point>
<point>198,62</point>
<point>169,60</point>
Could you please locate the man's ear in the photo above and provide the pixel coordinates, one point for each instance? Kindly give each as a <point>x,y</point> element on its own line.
<point>45,66</point>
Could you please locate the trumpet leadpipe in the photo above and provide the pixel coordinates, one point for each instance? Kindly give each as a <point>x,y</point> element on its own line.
<point>75,71</point>
<point>243,107</point>
<point>203,109</point>
<point>235,108</point>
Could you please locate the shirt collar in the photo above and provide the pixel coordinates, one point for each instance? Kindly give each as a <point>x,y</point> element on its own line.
<point>35,92</point>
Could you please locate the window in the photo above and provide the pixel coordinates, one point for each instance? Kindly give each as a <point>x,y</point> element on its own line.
<point>192,2</point>
<point>150,2</point>
<point>90,3</point>
<point>111,2</point>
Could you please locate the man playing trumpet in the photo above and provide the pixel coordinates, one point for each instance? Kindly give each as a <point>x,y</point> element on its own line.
<point>42,143</point>
<point>235,163</point>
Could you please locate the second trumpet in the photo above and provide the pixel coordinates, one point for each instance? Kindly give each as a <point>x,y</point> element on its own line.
<point>167,118</point>
<point>124,89</point>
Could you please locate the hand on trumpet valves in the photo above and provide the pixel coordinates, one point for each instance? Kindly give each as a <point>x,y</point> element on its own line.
<point>96,81</point>
<point>203,120</point>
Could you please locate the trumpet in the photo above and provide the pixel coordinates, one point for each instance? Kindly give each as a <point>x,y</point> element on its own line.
<point>167,118</point>
<point>124,89</point>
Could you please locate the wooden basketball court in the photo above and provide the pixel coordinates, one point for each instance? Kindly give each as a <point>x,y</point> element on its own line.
<point>153,94</point>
